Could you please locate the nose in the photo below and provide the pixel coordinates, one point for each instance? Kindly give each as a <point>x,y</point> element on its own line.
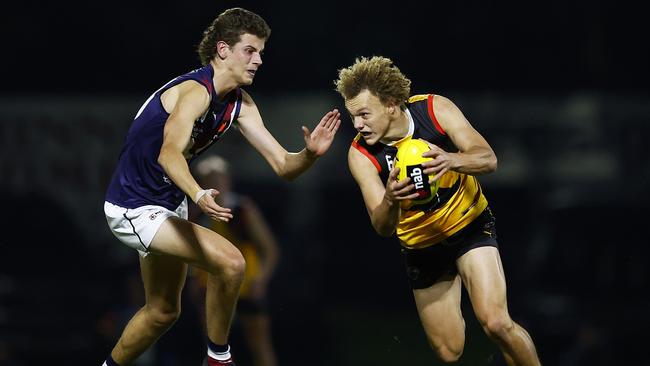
<point>357,122</point>
<point>257,58</point>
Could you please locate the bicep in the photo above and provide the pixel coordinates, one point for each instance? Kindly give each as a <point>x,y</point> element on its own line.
<point>457,127</point>
<point>366,176</point>
<point>193,100</point>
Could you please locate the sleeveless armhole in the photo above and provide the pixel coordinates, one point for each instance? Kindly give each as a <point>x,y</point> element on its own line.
<point>432,115</point>
<point>365,152</point>
<point>207,84</point>
<point>238,103</point>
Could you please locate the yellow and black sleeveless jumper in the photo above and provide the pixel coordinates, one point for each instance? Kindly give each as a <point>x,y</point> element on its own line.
<point>459,200</point>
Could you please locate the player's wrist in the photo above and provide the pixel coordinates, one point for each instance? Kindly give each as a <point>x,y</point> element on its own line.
<point>390,201</point>
<point>200,195</point>
<point>311,155</point>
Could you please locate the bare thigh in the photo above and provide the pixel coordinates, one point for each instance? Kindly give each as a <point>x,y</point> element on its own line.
<point>164,278</point>
<point>440,313</point>
<point>483,275</point>
<point>193,244</point>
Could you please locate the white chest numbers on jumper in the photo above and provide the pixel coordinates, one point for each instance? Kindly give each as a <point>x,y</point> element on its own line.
<point>390,160</point>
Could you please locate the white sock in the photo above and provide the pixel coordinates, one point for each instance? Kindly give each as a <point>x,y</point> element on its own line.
<point>219,356</point>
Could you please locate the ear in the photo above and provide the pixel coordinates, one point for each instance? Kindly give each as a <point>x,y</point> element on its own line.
<point>222,49</point>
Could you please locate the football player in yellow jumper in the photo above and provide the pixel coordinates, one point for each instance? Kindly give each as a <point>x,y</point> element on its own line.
<point>449,240</point>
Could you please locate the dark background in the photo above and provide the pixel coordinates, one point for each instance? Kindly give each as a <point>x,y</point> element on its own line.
<point>559,89</point>
<point>551,46</point>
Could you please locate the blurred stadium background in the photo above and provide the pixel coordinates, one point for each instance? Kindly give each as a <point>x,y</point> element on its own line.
<point>559,89</point>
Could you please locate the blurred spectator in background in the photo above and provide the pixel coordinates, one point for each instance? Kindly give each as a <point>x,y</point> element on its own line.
<point>250,232</point>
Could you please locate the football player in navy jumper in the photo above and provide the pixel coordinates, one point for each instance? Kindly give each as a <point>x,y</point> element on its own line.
<point>146,204</point>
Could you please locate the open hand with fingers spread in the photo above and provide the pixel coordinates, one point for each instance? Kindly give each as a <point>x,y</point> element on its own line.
<point>320,139</point>
<point>208,205</point>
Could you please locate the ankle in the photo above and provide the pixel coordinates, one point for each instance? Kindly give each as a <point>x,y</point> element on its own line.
<point>219,355</point>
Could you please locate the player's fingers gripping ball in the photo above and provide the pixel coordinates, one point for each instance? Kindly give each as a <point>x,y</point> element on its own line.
<point>409,159</point>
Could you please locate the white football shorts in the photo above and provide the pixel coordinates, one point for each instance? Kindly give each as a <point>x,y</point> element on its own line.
<point>136,227</point>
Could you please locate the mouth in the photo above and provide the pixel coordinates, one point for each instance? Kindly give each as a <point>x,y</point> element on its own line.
<point>251,73</point>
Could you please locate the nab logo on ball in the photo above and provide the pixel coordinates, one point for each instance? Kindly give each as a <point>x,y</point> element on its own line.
<point>409,159</point>
<point>420,180</point>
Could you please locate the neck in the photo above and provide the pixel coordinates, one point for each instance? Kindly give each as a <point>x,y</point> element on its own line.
<point>222,80</point>
<point>399,127</point>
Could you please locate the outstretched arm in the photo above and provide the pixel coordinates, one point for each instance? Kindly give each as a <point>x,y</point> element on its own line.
<point>287,165</point>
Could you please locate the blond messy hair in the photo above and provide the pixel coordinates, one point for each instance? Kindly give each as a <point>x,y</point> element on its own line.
<point>376,74</point>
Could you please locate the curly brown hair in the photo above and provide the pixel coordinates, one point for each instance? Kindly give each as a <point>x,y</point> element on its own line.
<point>228,27</point>
<point>376,74</point>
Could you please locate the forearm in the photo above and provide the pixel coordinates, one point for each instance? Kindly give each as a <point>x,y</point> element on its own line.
<point>476,161</point>
<point>385,217</point>
<point>177,169</point>
<point>296,163</point>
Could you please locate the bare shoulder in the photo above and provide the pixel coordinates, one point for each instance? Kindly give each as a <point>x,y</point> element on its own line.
<point>249,112</point>
<point>247,99</point>
<point>185,93</point>
<point>449,116</point>
<point>358,162</point>
<point>444,105</point>
<point>249,108</point>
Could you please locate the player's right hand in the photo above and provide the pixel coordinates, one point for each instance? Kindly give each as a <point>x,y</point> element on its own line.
<point>399,190</point>
<point>208,205</point>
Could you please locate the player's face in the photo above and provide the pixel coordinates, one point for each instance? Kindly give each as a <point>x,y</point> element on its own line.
<point>369,117</point>
<point>246,58</point>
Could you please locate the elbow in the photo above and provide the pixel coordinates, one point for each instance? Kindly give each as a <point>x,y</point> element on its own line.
<point>162,159</point>
<point>287,177</point>
<point>280,167</point>
<point>384,230</point>
<point>385,233</point>
<point>165,158</point>
<point>492,164</point>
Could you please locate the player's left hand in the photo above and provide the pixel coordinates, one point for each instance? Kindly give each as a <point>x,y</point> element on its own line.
<point>440,163</point>
<point>209,206</point>
<point>320,140</point>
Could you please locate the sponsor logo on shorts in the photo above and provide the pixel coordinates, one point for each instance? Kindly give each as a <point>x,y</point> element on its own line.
<point>155,214</point>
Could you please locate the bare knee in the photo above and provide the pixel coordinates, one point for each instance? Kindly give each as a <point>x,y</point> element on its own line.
<point>235,267</point>
<point>162,317</point>
<point>229,266</point>
<point>448,349</point>
<point>498,327</point>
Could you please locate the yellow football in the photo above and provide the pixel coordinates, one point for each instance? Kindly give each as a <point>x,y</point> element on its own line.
<point>409,159</point>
